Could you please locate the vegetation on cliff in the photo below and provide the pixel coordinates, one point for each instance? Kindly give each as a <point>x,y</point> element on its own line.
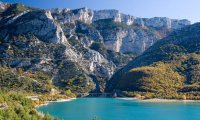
<point>168,69</point>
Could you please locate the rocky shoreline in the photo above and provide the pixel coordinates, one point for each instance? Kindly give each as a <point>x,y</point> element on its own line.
<point>59,100</point>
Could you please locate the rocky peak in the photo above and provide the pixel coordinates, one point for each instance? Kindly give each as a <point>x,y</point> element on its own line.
<point>70,16</point>
<point>128,19</point>
<point>85,15</point>
<point>3,6</point>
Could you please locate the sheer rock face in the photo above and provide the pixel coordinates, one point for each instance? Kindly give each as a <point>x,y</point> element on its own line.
<point>130,40</point>
<point>97,64</point>
<point>38,23</point>
<point>107,14</point>
<point>138,41</point>
<point>133,39</point>
<point>114,41</point>
<point>163,22</point>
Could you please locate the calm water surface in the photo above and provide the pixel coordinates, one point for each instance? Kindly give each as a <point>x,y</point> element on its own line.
<point>118,109</point>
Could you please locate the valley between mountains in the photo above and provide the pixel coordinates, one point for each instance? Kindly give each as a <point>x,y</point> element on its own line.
<point>58,53</point>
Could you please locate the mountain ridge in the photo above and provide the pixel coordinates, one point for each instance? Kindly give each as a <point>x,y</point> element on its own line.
<point>59,41</point>
<point>48,55</point>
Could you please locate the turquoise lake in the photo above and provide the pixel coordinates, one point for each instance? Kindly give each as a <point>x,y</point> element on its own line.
<point>118,109</point>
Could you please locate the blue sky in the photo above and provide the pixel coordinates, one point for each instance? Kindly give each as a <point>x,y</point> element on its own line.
<point>179,9</point>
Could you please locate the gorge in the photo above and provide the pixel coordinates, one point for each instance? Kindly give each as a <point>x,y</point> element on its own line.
<point>92,44</point>
<point>59,53</point>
